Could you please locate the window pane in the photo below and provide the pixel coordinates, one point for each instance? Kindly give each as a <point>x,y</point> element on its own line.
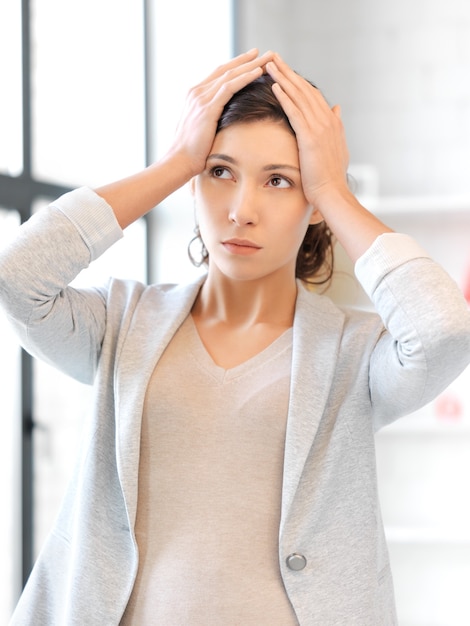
<point>209,46</point>
<point>88,90</point>
<point>10,433</point>
<point>11,160</point>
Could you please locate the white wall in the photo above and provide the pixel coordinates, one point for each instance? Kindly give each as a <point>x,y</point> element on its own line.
<point>399,69</point>
<point>401,72</point>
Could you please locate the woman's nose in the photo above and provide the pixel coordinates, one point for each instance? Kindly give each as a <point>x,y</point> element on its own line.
<point>243,210</point>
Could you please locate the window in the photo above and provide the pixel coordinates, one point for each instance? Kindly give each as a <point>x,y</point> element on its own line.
<point>91,97</point>
<point>10,424</point>
<point>75,115</point>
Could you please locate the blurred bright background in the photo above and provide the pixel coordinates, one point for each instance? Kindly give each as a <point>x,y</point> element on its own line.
<point>106,83</point>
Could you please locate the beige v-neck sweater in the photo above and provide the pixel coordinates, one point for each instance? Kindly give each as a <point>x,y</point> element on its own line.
<point>210,484</point>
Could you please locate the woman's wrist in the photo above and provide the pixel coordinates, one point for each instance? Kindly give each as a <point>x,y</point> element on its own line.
<point>353,225</point>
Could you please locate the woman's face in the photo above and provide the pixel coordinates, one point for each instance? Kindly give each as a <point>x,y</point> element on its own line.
<point>251,208</point>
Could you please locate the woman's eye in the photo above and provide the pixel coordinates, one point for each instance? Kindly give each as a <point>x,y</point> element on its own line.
<point>220,172</point>
<point>279,181</point>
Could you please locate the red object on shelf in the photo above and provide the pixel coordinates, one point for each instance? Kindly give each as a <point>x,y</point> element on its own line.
<point>449,408</point>
<point>466,286</point>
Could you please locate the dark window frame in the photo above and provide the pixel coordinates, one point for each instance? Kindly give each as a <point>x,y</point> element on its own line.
<point>20,194</point>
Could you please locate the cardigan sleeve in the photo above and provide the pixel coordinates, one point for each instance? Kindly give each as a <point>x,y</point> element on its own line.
<point>426,341</point>
<point>55,322</point>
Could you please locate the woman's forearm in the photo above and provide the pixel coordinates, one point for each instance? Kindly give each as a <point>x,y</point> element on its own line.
<point>134,196</point>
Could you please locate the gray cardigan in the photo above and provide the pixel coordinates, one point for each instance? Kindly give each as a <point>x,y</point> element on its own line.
<point>352,372</point>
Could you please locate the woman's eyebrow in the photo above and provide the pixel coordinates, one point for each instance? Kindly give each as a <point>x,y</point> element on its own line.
<point>280,166</point>
<point>223,157</point>
<point>267,168</point>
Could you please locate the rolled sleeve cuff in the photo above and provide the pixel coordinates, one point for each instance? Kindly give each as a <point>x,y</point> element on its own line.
<point>388,252</point>
<point>93,217</point>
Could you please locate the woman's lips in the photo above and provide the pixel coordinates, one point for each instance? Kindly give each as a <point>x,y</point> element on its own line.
<point>241,246</point>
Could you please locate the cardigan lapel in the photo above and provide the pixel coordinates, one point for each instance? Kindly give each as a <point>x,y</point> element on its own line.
<point>318,327</point>
<point>317,331</point>
<point>155,320</point>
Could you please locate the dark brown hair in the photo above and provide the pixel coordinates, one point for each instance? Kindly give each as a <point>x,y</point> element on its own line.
<point>257,102</point>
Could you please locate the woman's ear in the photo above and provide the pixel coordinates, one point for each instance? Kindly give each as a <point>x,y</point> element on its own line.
<point>316,217</point>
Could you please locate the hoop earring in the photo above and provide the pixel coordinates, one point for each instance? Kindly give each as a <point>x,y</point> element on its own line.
<point>203,255</point>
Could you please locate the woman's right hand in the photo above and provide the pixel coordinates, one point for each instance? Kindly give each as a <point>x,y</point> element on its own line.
<point>204,105</point>
<point>135,195</point>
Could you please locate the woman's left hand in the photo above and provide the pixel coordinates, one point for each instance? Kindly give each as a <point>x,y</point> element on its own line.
<point>323,152</point>
<point>324,159</point>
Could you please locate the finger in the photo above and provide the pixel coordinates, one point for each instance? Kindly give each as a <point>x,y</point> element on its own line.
<point>295,86</point>
<point>223,86</point>
<point>292,111</point>
<point>253,67</point>
<point>289,83</point>
<point>243,62</point>
<point>337,111</point>
<point>284,70</point>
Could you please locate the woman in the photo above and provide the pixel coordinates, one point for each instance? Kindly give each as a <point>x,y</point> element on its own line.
<point>228,472</point>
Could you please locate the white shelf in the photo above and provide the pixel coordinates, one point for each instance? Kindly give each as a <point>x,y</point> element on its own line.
<point>425,536</point>
<point>412,205</point>
<point>405,426</point>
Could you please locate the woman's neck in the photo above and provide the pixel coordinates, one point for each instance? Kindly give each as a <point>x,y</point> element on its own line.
<point>237,303</point>
<point>238,319</point>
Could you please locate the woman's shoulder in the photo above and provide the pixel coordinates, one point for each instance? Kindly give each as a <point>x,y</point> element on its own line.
<point>321,310</point>
<point>129,294</point>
